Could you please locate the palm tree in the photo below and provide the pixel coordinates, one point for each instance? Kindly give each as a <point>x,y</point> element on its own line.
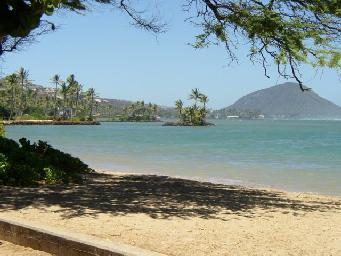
<point>202,113</point>
<point>204,99</point>
<point>155,108</point>
<point>191,112</point>
<point>185,117</point>
<point>78,89</point>
<point>23,77</point>
<point>91,97</point>
<point>150,108</point>
<point>195,95</point>
<point>56,80</point>
<point>71,79</point>
<point>178,105</point>
<point>47,104</point>
<point>71,82</point>
<point>35,98</point>
<point>64,90</point>
<point>13,81</point>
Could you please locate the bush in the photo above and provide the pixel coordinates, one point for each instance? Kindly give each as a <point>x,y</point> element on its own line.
<point>4,112</point>
<point>3,168</point>
<point>2,129</point>
<point>28,164</point>
<point>35,113</point>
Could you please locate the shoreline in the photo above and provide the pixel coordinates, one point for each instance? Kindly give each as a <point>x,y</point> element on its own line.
<point>49,122</point>
<point>238,183</point>
<point>178,216</point>
<point>134,121</point>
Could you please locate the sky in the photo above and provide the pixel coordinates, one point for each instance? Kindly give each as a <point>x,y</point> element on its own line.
<point>106,52</point>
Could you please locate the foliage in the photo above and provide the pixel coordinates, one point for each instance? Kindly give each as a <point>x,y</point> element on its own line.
<point>138,112</point>
<point>65,100</point>
<point>19,99</point>
<point>27,164</point>
<point>2,129</point>
<point>4,112</point>
<point>290,33</point>
<point>193,115</point>
<point>90,95</point>
<point>23,20</point>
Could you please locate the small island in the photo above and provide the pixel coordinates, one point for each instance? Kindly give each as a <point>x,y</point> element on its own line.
<point>139,112</point>
<point>193,115</point>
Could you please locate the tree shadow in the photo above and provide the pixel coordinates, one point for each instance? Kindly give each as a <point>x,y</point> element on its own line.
<point>156,196</point>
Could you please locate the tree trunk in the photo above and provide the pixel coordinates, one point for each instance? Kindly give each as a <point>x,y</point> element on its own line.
<point>91,105</point>
<point>77,99</point>
<point>55,103</point>
<point>12,103</point>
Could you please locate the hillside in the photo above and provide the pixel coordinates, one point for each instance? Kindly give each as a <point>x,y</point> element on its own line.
<point>104,107</point>
<point>287,101</point>
<point>44,90</point>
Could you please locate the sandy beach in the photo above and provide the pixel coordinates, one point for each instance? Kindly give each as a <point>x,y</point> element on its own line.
<point>9,249</point>
<point>182,217</point>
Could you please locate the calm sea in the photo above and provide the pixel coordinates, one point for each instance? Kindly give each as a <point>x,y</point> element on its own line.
<point>290,155</point>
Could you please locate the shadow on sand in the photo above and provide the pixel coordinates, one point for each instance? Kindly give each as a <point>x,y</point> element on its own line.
<point>157,196</point>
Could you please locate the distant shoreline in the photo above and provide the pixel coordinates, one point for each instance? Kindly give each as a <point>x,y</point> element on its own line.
<point>133,121</point>
<point>49,122</point>
<point>186,124</point>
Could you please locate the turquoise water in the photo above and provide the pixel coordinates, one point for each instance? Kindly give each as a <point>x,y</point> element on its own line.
<point>291,155</point>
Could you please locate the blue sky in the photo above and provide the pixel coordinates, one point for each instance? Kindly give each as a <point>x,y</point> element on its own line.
<point>120,61</point>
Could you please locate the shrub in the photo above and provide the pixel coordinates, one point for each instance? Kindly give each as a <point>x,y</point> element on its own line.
<point>27,163</point>
<point>2,129</point>
<point>3,168</point>
<point>4,112</point>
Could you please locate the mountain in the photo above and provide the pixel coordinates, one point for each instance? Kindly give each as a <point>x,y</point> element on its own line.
<point>287,101</point>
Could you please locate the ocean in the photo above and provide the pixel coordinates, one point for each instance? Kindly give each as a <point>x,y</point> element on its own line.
<point>293,155</point>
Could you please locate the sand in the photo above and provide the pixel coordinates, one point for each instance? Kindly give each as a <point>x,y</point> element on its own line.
<point>183,217</point>
<point>9,249</point>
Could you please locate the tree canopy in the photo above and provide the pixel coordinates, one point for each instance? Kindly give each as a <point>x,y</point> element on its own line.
<point>20,99</point>
<point>193,115</point>
<point>286,32</point>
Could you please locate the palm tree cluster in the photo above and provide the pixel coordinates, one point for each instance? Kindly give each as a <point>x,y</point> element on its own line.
<point>13,100</point>
<point>194,114</point>
<point>70,100</point>
<point>139,112</point>
<point>19,99</point>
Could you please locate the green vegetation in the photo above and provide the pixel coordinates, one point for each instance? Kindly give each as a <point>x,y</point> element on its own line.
<point>289,33</point>
<point>139,112</point>
<point>29,164</point>
<point>21,100</point>
<point>2,129</point>
<point>193,115</point>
